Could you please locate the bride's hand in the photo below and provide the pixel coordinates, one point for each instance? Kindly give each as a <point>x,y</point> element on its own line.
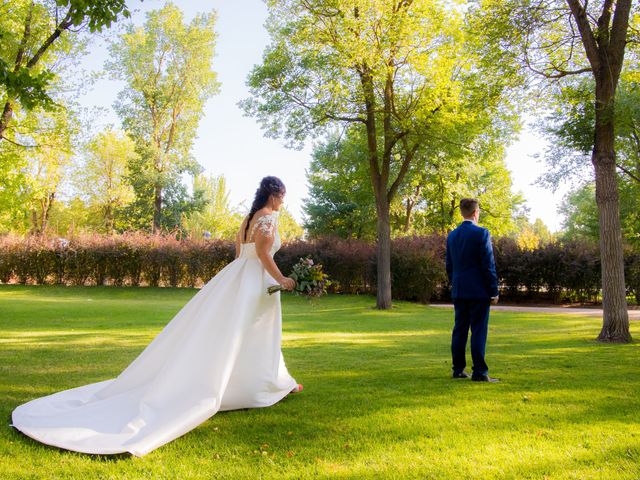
<point>288,283</point>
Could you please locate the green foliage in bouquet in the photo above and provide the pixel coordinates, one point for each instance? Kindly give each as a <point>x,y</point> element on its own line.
<point>309,277</point>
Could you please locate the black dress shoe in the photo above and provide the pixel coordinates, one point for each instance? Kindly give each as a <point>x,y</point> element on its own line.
<point>461,375</point>
<point>484,378</point>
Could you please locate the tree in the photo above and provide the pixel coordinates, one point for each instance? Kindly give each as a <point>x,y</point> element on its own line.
<point>559,40</point>
<point>47,167</point>
<point>217,217</point>
<point>604,42</point>
<point>341,200</point>
<point>288,228</point>
<point>571,125</point>
<point>29,32</point>
<point>450,176</point>
<point>580,213</point>
<point>102,178</point>
<point>73,216</point>
<point>167,67</point>
<point>530,236</point>
<point>393,69</point>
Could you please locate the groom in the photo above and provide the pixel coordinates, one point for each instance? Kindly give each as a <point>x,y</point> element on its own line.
<point>472,273</point>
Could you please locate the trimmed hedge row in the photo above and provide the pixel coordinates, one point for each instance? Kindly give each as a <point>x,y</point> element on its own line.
<point>132,259</point>
<point>417,271</point>
<point>554,272</point>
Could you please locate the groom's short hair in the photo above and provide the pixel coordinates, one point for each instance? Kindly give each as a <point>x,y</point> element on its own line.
<point>468,206</point>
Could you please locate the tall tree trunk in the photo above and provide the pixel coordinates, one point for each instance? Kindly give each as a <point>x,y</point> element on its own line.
<point>109,220</point>
<point>379,183</point>
<point>407,218</point>
<point>383,253</point>
<point>34,222</point>
<point>157,208</point>
<point>615,325</point>
<point>46,211</point>
<point>605,48</point>
<point>412,200</point>
<point>7,114</point>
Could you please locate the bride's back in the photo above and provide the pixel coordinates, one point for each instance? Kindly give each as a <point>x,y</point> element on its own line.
<point>263,220</point>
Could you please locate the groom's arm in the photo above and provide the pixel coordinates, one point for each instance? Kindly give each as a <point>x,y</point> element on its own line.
<point>489,264</point>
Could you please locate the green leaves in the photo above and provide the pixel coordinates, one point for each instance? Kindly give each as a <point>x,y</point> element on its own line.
<point>34,35</point>
<point>217,216</point>
<point>30,89</point>
<point>97,14</point>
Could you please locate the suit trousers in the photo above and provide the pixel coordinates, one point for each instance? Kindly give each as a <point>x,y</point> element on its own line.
<point>472,314</point>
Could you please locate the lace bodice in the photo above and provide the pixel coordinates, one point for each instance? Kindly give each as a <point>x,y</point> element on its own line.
<point>268,226</point>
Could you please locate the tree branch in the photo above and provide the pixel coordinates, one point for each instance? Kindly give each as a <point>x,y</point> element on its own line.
<point>19,144</point>
<point>64,25</point>
<point>586,33</point>
<point>343,118</point>
<point>326,115</point>
<point>619,30</point>
<point>404,168</point>
<point>25,38</point>
<point>605,19</point>
<point>560,73</point>
<point>624,170</point>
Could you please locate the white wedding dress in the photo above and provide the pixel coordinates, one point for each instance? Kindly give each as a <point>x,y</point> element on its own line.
<point>220,352</point>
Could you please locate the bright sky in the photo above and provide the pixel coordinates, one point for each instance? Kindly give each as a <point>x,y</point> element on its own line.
<point>233,145</point>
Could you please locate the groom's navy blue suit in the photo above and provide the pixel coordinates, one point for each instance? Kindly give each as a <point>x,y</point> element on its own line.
<point>472,273</point>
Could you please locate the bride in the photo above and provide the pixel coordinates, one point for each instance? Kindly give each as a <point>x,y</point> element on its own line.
<point>220,352</point>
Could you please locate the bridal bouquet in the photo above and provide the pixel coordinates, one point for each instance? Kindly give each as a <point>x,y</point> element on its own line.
<point>309,277</point>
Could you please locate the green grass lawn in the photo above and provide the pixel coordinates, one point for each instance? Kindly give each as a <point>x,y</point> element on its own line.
<point>378,399</point>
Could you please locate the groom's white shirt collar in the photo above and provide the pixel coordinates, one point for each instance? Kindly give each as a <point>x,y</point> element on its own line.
<point>470,221</point>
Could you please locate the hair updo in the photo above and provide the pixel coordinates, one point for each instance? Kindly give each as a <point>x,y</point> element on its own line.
<point>268,186</point>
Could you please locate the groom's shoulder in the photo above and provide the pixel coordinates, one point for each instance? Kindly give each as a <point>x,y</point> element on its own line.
<point>455,231</point>
<point>477,231</point>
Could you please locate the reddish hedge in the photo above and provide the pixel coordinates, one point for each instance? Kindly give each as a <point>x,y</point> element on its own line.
<point>556,272</point>
<point>132,259</point>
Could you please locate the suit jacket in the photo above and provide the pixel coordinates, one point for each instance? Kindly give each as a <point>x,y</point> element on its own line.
<point>470,264</point>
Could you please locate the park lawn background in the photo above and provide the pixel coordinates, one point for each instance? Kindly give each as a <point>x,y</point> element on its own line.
<point>378,400</point>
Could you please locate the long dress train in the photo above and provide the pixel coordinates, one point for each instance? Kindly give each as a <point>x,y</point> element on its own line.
<point>220,352</point>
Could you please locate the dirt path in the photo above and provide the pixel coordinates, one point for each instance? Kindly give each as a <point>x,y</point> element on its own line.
<point>594,312</point>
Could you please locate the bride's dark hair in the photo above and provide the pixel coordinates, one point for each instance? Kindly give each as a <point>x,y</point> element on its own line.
<point>268,186</point>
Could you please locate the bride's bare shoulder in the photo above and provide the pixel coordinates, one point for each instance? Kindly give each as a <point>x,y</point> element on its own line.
<point>262,213</point>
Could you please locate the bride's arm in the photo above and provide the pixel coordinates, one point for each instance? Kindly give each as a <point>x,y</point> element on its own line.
<point>264,242</point>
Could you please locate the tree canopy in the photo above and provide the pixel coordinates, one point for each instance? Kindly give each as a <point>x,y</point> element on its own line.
<point>166,65</point>
<point>406,74</point>
<point>32,34</point>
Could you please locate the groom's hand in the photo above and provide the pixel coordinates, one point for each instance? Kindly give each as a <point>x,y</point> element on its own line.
<point>494,300</point>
